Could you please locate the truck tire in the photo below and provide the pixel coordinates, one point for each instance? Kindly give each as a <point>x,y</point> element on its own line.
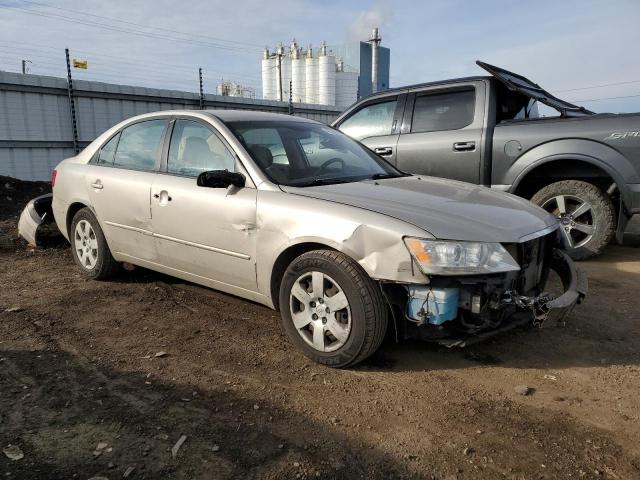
<point>587,215</point>
<point>89,247</point>
<point>331,309</point>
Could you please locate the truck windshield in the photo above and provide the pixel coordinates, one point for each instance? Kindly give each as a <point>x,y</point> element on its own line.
<point>305,154</point>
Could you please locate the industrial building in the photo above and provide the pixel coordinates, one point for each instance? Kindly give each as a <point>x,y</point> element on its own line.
<point>229,88</point>
<point>335,76</point>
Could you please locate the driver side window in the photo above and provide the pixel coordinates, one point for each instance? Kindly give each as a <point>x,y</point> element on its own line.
<point>371,121</point>
<point>195,148</point>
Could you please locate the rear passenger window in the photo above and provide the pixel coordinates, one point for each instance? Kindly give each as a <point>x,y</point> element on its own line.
<point>443,111</point>
<point>371,121</point>
<point>107,152</point>
<point>140,145</point>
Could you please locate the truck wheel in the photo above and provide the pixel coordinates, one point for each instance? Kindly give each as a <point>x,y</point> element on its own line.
<point>586,213</point>
<point>89,247</point>
<point>331,309</point>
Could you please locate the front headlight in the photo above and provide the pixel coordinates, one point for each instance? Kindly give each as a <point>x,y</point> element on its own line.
<point>445,257</point>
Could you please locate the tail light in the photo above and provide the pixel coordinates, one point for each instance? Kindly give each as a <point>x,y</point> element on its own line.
<point>54,174</point>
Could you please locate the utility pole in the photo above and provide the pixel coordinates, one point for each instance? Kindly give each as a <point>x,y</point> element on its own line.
<point>72,104</point>
<point>201,89</point>
<point>279,55</point>
<point>24,66</point>
<point>291,97</point>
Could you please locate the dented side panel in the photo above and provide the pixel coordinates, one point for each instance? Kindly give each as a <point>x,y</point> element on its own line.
<point>374,241</point>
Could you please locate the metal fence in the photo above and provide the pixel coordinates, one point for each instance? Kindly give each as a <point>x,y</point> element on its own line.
<point>35,122</point>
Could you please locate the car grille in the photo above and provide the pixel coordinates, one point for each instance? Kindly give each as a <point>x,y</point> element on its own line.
<point>534,257</point>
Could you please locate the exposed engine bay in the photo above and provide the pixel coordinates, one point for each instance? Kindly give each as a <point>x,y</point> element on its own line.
<point>461,310</point>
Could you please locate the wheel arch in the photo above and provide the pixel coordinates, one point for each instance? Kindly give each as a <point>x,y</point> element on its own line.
<point>285,258</point>
<point>594,156</point>
<point>555,169</point>
<point>74,208</point>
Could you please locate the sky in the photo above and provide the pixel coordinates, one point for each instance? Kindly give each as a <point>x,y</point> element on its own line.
<point>584,51</point>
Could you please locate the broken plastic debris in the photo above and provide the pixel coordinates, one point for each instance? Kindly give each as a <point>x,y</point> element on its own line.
<point>13,452</point>
<point>176,447</point>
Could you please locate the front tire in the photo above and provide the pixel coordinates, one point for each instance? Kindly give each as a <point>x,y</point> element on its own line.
<point>331,309</point>
<point>587,215</point>
<point>89,246</point>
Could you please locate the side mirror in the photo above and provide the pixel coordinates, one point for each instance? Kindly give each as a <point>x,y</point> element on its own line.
<point>220,179</point>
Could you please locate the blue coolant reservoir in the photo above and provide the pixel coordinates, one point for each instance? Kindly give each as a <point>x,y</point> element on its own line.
<point>432,305</point>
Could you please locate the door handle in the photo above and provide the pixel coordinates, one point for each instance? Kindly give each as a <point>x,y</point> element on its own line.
<point>97,185</point>
<point>464,146</point>
<point>165,197</point>
<point>383,150</point>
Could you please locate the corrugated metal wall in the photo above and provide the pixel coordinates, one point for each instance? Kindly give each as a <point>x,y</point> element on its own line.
<point>35,123</point>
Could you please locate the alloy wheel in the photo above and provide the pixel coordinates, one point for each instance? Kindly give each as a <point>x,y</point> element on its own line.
<point>86,244</point>
<point>577,220</point>
<point>320,311</point>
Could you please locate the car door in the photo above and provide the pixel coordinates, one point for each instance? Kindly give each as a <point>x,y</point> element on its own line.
<point>376,124</point>
<point>119,179</point>
<point>442,132</point>
<point>206,233</point>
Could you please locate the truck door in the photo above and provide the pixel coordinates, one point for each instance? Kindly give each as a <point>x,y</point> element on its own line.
<point>442,132</point>
<point>376,124</point>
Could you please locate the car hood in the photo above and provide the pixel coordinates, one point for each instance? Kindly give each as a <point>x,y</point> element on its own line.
<point>446,209</point>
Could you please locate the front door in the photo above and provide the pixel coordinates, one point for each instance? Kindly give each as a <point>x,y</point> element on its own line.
<point>443,136</point>
<point>207,233</point>
<point>375,124</point>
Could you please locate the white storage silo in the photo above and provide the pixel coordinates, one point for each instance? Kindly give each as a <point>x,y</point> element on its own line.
<point>326,78</point>
<point>286,77</point>
<point>311,77</point>
<point>298,70</point>
<point>268,76</point>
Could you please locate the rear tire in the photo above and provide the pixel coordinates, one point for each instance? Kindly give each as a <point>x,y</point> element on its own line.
<point>346,334</point>
<point>89,246</point>
<point>591,230</point>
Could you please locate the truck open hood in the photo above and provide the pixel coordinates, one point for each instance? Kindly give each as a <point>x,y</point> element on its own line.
<point>446,209</point>
<point>518,83</point>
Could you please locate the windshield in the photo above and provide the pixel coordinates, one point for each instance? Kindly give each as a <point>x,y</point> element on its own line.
<point>304,154</point>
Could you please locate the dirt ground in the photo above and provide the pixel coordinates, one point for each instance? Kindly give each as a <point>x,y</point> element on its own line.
<point>83,394</point>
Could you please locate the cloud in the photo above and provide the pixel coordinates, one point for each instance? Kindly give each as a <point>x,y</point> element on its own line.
<point>360,28</point>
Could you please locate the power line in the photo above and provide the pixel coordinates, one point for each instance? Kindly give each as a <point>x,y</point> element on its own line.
<point>187,34</point>
<point>140,64</point>
<point>604,98</point>
<point>124,30</point>
<point>598,86</point>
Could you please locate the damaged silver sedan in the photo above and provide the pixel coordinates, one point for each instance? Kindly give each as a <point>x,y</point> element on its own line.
<point>293,214</point>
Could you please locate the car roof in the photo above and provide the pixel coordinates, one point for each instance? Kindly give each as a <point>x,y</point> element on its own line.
<point>427,84</point>
<point>252,115</point>
<point>224,115</point>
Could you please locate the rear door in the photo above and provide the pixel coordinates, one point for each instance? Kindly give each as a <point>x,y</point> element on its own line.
<point>119,180</point>
<point>442,131</point>
<point>376,123</point>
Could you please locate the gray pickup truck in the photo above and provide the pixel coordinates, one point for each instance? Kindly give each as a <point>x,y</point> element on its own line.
<point>581,166</point>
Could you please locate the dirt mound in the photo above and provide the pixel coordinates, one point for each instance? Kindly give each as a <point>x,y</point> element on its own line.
<point>15,194</point>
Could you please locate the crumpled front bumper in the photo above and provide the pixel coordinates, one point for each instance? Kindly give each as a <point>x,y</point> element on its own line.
<point>37,213</point>
<point>541,310</point>
<point>575,284</point>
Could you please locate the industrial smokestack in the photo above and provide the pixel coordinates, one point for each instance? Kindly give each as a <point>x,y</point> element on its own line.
<point>375,42</point>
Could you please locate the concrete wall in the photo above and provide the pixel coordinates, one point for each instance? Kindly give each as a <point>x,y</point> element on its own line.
<point>35,123</point>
